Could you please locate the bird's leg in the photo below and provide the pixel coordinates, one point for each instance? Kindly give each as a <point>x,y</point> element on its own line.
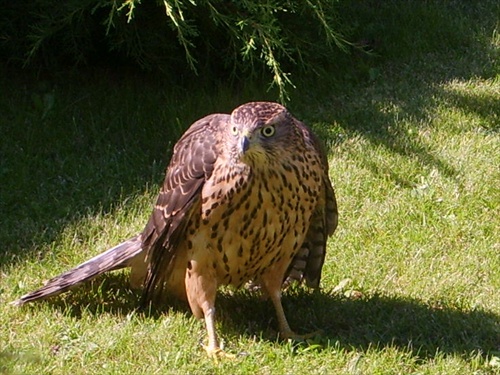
<point>284,328</point>
<point>213,347</point>
<point>201,290</point>
<point>271,283</point>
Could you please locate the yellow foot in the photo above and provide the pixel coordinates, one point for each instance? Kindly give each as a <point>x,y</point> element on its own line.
<point>217,353</point>
<point>290,335</point>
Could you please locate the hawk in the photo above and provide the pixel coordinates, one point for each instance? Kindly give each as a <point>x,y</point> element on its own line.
<point>246,198</point>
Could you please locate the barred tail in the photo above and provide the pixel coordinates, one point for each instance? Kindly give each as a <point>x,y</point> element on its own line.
<point>117,257</point>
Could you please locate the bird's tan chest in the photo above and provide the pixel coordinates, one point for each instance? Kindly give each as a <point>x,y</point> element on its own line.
<point>251,223</point>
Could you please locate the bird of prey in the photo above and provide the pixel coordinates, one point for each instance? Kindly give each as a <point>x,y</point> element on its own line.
<point>246,198</point>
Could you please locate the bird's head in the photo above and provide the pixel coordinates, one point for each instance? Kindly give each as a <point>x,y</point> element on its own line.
<point>260,131</point>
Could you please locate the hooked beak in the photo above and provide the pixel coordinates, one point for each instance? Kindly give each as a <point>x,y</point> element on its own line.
<point>244,144</point>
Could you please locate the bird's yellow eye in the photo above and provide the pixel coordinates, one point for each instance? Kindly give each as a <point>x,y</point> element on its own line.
<point>268,131</point>
<point>234,130</point>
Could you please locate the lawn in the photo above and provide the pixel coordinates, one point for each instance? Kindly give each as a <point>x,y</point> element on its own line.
<point>411,283</point>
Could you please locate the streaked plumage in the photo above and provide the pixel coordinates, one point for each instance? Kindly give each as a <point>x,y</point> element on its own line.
<point>246,197</point>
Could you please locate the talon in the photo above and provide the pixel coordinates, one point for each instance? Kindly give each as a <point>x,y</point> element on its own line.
<point>216,353</point>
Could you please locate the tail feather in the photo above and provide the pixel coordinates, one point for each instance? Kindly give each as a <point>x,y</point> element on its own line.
<point>117,257</point>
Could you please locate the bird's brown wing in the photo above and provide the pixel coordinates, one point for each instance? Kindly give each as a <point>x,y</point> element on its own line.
<point>191,165</point>
<point>308,262</point>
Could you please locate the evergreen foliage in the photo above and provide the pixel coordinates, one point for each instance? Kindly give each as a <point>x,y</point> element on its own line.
<point>219,37</point>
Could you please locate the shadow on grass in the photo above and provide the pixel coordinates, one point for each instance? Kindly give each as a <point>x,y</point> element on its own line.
<point>380,321</point>
<point>362,323</point>
<point>375,96</point>
<point>376,321</point>
<point>382,118</point>
<point>484,107</point>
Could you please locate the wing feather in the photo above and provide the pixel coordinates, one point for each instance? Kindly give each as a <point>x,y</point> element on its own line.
<point>191,165</point>
<point>308,262</point>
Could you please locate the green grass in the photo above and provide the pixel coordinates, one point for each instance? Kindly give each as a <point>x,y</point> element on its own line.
<point>412,277</point>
